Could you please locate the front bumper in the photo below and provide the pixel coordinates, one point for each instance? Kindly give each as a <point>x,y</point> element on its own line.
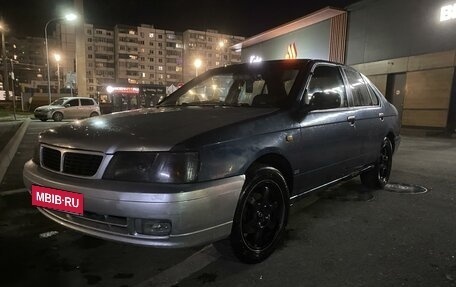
<point>199,213</point>
<point>42,115</point>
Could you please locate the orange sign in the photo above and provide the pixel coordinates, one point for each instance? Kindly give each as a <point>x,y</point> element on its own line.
<point>292,52</point>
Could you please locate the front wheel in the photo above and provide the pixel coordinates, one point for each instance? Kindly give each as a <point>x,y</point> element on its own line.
<point>378,177</point>
<point>57,117</point>
<point>93,114</point>
<point>261,215</point>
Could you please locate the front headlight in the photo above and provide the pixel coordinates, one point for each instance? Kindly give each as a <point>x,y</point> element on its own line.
<point>162,167</point>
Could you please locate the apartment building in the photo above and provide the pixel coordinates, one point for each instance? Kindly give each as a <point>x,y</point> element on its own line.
<point>144,55</point>
<point>29,58</point>
<point>211,48</point>
<point>100,67</point>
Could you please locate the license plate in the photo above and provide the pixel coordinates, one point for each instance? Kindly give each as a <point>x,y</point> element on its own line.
<point>57,199</point>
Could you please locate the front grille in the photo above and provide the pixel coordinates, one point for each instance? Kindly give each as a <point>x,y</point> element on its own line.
<point>111,223</point>
<point>81,163</point>
<point>51,158</point>
<point>74,163</point>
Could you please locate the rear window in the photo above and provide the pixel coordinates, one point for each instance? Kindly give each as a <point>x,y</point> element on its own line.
<point>86,102</point>
<point>361,96</point>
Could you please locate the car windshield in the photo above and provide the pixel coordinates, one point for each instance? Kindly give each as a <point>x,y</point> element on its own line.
<point>246,87</point>
<point>58,102</point>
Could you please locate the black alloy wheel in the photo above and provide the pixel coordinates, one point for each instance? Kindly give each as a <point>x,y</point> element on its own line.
<point>261,215</point>
<point>57,117</point>
<point>378,177</point>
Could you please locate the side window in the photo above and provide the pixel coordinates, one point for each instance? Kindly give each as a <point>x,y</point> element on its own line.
<point>73,103</point>
<point>361,96</point>
<point>327,80</point>
<point>86,102</point>
<point>374,96</point>
<point>372,90</point>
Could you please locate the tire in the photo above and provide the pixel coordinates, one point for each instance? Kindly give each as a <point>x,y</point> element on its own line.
<point>261,215</point>
<point>94,114</point>
<point>57,117</point>
<point>43,120</point>
<point>378,177</point>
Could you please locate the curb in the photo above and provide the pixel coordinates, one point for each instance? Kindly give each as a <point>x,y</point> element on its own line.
<point>8,152</point>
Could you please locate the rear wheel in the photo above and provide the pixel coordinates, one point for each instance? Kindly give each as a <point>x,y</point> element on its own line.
<point>93,114</point>
<point>261,215</point>
<point>57,116</point>
<point>378,177</point>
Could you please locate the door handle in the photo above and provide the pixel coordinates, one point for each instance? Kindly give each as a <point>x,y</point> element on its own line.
<point>351,120</point>
<point>381,116</point>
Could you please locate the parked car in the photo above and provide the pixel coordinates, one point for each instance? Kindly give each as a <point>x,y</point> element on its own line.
<point>222,157</point>
<point>68,108</point>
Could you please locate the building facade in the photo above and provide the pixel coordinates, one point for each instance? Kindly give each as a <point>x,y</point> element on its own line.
<point>407,48</point>
<point>143,55</point>
<point>29,63</point>
<point>211,48</point>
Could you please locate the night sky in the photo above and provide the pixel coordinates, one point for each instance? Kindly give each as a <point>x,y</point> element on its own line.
<point>243,18</point>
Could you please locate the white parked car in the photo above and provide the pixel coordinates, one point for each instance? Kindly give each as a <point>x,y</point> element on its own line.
<point>68,108</point>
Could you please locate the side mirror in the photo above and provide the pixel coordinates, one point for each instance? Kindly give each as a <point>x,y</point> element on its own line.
<point>324,101</point>
<point>67,105</point>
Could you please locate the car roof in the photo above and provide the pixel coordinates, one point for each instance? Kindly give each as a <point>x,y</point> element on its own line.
<point>71,98</point>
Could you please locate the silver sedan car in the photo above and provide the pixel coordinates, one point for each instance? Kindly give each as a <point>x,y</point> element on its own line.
<point>222,157</point>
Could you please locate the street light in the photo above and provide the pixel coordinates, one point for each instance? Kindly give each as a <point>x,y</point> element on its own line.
<point>68,17</point>
<point>57,59</point>
<point>197,64</point>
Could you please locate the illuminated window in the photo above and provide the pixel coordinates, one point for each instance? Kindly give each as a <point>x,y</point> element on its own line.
<point>131,32</point>
<point>151,35</point>
<point>143,75</point>
<point>160,68</point>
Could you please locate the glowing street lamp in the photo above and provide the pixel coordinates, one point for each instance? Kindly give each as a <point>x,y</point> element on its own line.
<point>68,17</point>
<point>197,64</point>
<point>57,58</point>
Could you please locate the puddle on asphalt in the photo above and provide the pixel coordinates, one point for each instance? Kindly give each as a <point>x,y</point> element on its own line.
<point>406,188</point>
<point>123,276</point>
<point>92,279</point>
<point>349,191</point>
<point>207,277</point>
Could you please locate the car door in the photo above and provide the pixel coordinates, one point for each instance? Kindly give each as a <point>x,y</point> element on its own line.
<point>369,117</point>
<point>87,107</point>
<point>328,139</point>
<point>71,109</point>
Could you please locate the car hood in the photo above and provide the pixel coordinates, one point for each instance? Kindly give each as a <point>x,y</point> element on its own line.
<point>154,129</point>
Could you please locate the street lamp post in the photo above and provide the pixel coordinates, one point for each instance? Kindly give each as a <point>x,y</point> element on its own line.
<point>57,59</point>
<point>68,17</point>
<point>5,66</point>
<point>197,64</point>
<point>12,89</point>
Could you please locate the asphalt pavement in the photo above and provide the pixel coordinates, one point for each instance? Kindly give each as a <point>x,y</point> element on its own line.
<point>344,236</point>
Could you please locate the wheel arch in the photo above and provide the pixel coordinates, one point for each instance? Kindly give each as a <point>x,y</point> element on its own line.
<point>391,137</point>
<point>277,161</point>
